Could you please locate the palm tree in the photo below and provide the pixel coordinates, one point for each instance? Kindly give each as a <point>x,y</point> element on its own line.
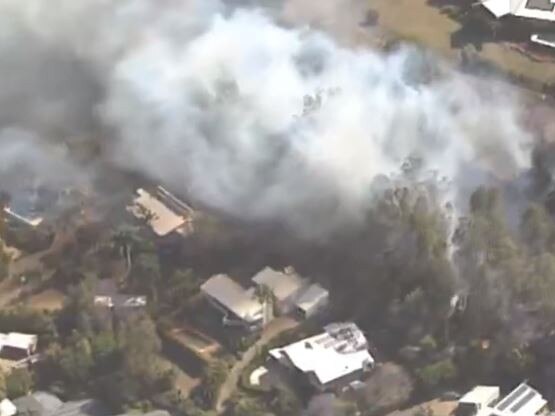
<point>266,297</point>
<point>124,240</point>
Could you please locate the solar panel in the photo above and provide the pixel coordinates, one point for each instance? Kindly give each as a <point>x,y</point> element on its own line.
<point>522,402</point>
<point>512,397</point>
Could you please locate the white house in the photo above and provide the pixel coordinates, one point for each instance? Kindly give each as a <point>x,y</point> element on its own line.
<point>478,399</point>
<point>165,212</point>
<point>312,300</point>
<point>483,401</point>
<point>239,306</point>
<point>285,286</point>
<point>533,9</point>
<point>330,360</point>
<point>17,345</point>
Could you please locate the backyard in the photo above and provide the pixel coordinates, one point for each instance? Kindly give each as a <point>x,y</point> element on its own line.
<point>423,23</point>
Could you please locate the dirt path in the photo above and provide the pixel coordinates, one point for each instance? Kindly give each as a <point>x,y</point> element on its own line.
<point>276,327</point>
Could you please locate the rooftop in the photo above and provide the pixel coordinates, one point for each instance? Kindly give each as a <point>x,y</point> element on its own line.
<point>533,9</point>
<point>233,297</point>
<point>18,340</point>
<point>46,404</point>
<point>168,212</point>
<point>340,350</point>
<point>523,400</point>
<point>311,296</point>
<point>282,284</point>
<point>481,395</point>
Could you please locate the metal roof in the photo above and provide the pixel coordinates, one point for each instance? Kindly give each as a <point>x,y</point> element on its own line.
<point>164,219</point>
<point>522,401</point>
<point>282,284</point>
<point>233,297</point>
<point>312,296</point>
<point>330,355</point>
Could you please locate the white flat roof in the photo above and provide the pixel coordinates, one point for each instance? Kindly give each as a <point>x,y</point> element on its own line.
<point>328,357</point>
<point>18,340</point>
<point>233,297</point>
<point>498,8</point>
<point>312,296</point>
<point>282,284</point>
<point>483,395</point>
<point>522,401</point>
<point>164,220</point>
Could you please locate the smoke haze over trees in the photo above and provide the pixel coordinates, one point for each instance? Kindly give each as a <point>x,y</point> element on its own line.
<point>210,102</point>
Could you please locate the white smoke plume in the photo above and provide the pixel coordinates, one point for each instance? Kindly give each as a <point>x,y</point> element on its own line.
<point>211,103</point>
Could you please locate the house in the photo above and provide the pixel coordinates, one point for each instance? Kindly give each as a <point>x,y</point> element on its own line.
<point>163,212</point>
<point>483,401</point>
<point>477,399</point>
<point>533,9</point>
<point>312,300</point>
<point>328,361</point>
<point>239,306</point>
<point>46,404</point>
<point>17,346</point>
<point>285,286</point>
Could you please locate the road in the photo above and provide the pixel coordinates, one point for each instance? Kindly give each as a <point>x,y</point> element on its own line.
<point>275,328</point>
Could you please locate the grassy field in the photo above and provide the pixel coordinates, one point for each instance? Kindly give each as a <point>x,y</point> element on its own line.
<point>417,21</point>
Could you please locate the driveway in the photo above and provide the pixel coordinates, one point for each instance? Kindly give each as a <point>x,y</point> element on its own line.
<point>274,328</point>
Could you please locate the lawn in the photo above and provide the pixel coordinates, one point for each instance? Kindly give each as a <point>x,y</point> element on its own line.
<point>417,21</point>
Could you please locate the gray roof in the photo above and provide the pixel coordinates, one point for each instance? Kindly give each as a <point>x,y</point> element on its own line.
<point>88,407</point>
<point>233,297</point>
<point>153,413</point>
<point>46,404</point>
<point>312,296</point>
<point>282,284</point>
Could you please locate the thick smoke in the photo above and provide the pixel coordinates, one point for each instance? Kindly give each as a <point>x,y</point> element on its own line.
<point>262,122</point>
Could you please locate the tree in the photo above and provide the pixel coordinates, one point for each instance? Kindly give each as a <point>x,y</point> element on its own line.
<point>536,228</point>
<point>145,274</point>
<point>78,312</point>
<point>245,406</point>
<point>140,350</point>
<point>105,351</point>
<point>286,403</point>
<point>76,360</point>
<point>213,377</point>
<point>266,297</point>
<point>434,374</point>
<point>181,285</point>
<point>18,383</point>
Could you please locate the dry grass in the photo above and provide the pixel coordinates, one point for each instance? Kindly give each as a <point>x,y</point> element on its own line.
<point>49,300</point>
<point>436,407</point>
<point>417,21</point>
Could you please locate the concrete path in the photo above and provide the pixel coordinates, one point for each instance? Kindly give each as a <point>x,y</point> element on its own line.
<point>275,328</point>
